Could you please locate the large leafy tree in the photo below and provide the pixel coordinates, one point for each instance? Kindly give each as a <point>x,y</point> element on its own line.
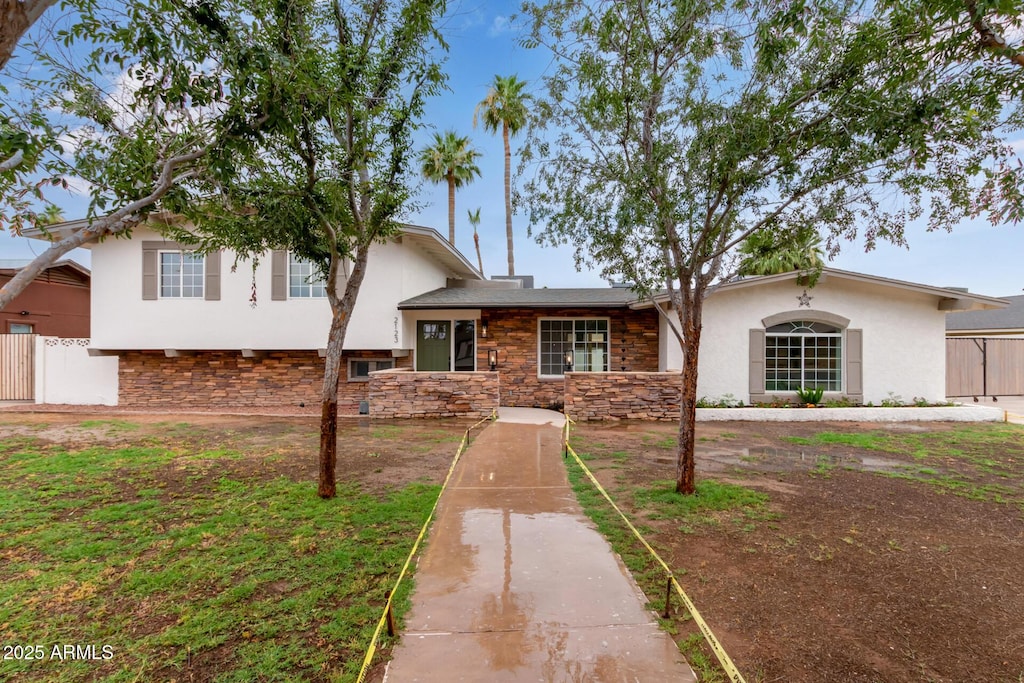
<point>124,102</point>
<point>504,108</point>
<point>450,159</point>
<point>341,87</point>
<point>673,131</point>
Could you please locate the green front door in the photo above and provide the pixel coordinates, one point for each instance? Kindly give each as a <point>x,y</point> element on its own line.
<point>433,345</point>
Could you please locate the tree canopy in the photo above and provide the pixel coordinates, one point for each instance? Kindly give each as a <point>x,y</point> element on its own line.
<point>670,132</point>
<point>450,159</point>
<point>124,103</point>
<point>330,170</point>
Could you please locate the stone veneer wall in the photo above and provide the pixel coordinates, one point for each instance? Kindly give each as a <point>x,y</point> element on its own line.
<point>633,337</point>
<point>401,393</point>
<point>225,379</point>
<point>622,395</point>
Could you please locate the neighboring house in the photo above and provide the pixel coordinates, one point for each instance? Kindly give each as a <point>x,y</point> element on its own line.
<point>200,331</point>
<point>985,351</point>
<point>55,304</point>
<point>1002,322</point>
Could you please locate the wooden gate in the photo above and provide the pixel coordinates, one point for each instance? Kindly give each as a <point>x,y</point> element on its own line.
<point>984,366</point>
<point>17,367</point>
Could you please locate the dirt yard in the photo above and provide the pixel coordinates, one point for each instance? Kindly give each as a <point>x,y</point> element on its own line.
<point>884,553</point>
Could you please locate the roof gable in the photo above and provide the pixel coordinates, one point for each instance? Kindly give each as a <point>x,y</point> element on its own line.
<point>65,272</point>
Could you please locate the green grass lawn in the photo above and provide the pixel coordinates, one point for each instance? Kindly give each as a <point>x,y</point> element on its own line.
<point>177,564</point>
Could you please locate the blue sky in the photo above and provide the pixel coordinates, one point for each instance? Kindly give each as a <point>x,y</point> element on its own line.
<point>483,43</point>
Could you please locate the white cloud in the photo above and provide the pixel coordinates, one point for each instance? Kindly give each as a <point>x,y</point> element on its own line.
<point>499,26</point>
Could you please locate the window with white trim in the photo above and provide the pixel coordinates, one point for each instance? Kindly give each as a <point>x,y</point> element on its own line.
<point>304,279</point>
<point>359,369</point>
<point>585,338</point>
<point>803,354</point>
<point>182,274</point>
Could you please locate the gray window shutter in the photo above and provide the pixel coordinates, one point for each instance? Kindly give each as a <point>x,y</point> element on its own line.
<point>755,360</point>
<point>279,275</point>
<point>211,287</point>
<point>855,363</point>
<point>150,274</point>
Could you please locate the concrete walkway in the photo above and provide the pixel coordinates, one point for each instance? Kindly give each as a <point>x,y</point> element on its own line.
<point>516,584</point>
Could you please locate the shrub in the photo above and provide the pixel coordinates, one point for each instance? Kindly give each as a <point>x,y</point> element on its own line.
<point>810,395</point>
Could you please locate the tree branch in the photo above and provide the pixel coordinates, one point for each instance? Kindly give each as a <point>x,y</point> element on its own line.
<point>115,223</point>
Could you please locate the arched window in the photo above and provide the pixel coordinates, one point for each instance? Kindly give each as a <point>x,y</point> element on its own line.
<point>803,354</point>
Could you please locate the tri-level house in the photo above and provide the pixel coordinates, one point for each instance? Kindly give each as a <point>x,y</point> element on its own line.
<point>430,336</point>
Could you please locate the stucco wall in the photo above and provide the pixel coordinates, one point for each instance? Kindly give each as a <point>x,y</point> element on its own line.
<point>401,394</point>
<point>65,373</point>
<point>121,319</point>
<point>904,336</point>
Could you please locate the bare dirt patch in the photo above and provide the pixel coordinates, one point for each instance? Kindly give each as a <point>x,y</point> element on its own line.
<point>869,564</point>
<point>376,454</point>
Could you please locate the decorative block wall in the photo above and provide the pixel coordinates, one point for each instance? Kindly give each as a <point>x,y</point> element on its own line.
<point>623,395</point>
<point>401,393</point>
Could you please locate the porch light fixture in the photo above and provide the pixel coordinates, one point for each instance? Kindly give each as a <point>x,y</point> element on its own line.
<point>568,360</point>
<point>483,328</point>
<point>492,358</point>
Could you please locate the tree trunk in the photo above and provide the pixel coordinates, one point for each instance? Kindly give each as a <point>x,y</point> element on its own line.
<point>690,322</point>
<point>341,314</point>
<point>479,259</point>
<point>508,200</point>
<point>329,406</point>
<point>451,211</point>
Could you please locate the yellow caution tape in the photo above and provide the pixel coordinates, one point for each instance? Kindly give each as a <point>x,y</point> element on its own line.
<point>368,659</point>
<point>723,658</point>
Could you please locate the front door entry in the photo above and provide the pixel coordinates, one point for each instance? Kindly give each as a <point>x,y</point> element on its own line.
<point>433,345</point>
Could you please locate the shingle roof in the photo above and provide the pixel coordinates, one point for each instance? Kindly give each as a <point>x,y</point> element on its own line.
<point>1009,318</point>
<point>15,265</point>
<point>483,297</point>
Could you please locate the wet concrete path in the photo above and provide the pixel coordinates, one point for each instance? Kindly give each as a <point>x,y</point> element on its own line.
<point>515,584</point>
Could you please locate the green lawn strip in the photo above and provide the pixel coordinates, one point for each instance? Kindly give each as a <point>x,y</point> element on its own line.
<point>660,501</point>
<point>261,576</point>
<point>969,456</point>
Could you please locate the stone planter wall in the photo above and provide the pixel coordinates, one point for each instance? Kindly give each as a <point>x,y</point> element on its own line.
<point>622,395</point>
<point>402,393</point>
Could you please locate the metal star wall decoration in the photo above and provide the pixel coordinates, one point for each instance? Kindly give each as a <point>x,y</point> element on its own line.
<point>804,299</point>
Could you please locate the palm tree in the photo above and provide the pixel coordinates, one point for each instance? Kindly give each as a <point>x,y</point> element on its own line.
<point>505,108</point>
<point>769,252</point>
<point>450,159</point>
<point>474,220</point>
<point>51,215</point>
